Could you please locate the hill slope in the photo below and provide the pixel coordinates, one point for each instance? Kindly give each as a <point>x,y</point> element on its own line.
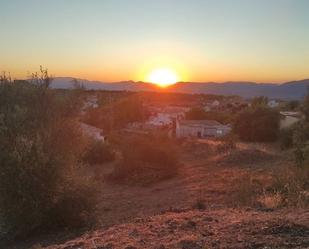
<point>229,228</point>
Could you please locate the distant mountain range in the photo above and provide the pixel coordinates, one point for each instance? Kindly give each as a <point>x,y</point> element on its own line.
<point>289,90</point>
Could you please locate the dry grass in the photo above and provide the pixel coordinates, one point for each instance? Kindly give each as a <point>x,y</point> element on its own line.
<point>293,186</point>
<point>288,188</point>
<point>247,157</point>
<point>247,191</point>
<point>270,200</point>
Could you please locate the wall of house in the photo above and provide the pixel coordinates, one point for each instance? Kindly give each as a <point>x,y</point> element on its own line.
<point>210,132</point>
<point>201,131</point>
<point>188,131</point>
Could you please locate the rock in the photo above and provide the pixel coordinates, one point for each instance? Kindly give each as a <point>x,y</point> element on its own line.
<point>79,245</point>
<point>189,244</point>
<point>189,225</point>
<point>160,247</point>
<point>107,246</point>
<point>130,247</point>
<point>172,224</point>
<point>207,233</point>
<point>208,219</point>
<point>133,233</point>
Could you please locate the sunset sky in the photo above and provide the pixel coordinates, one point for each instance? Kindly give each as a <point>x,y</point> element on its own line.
<point>200,40</point>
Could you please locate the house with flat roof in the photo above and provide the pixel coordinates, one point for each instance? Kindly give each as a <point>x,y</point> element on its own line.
<point>201,128</point>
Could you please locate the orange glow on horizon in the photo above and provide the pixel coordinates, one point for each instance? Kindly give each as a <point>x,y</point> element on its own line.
<point>163,77</point>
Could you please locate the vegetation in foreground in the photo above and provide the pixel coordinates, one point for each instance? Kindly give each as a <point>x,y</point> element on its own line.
<point>145,162</point>
<point>41,182</point>
<point>290,185</point>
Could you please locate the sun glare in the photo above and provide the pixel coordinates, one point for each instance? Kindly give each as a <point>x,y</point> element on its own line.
<point>163,77</point>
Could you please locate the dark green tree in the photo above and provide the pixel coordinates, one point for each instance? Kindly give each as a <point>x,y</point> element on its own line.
<point>259,124</point>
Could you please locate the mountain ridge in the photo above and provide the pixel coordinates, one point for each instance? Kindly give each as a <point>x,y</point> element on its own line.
<point>288,90</point>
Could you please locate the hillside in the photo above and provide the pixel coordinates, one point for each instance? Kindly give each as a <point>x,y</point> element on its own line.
<point>288,90</point>
<point>206,205</point>
<point>229,228</point>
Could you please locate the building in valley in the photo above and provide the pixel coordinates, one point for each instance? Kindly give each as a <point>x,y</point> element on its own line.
<point>201,129</point>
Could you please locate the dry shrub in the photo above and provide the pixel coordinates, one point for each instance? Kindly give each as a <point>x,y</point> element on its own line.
<point>98,153</point>
<point>146,160</point>
<point>293,186</point>
<point>270,200</point>
<point>247,192</point>
<point>289,188</point>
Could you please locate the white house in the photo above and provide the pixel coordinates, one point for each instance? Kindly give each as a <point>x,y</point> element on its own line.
<point>167,116</point>
<point>273,104</point>
<point>207,108</point>
<point>93,132</point>
<point>215,103</point>
<point>161,119</point>
<point>91,102</point>
<point>201,128</point>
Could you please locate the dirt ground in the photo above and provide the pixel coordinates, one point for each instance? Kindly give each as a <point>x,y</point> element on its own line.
<point>165,215</point>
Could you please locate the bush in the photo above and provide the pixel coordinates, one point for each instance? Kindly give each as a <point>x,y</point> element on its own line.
<point>146,160</point>
<point>286,137</point>
<point>117,114</point>
<point>259,124</point>
<point>200,114</point>
<point>292,185</point>
<point>196,114</point>
<point>41,144</point>
<point>301,144</point>
<point>288,188</point>
<point>98,153</point>
<point>247,191</point>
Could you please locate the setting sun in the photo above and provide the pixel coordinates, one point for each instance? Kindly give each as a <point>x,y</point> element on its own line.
<point>163,77</point>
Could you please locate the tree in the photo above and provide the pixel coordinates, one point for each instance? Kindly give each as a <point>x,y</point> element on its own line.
<point>258,124</point>
<point>200,114</point>
<point>196,113</point>
<point>117,114</point>
<point>305,108</point>
<point>40,150</point>
<point>301,137</point>
<point>292,105</point>
<point>261,101</point>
